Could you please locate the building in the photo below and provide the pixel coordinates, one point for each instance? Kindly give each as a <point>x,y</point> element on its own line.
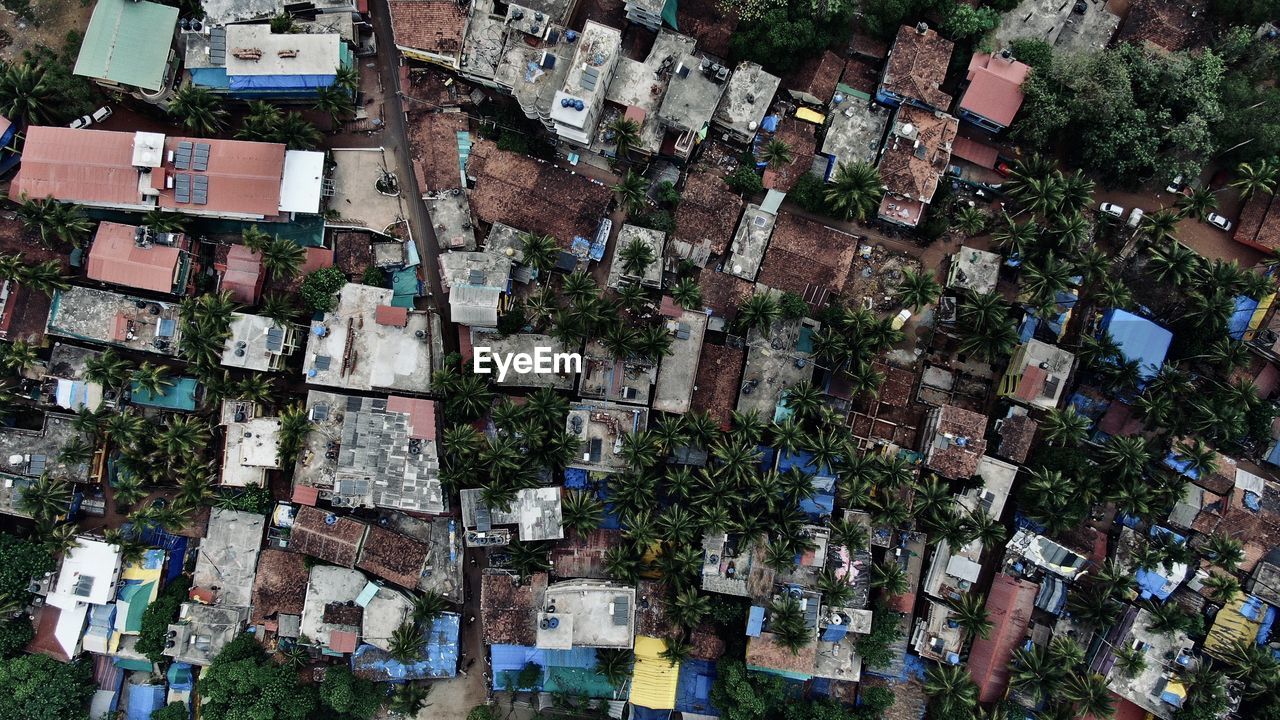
<point>142,171</point>
<point>605,376</point>
<point>476,283</point>
<point>370,452</point>
<point>600,427</point>
<point>1158,688</point>
<point>586,613</point>
<point>1045,554</point>
<point>365,343</point>
<point>280,590</point>
<point>392,556</point>
<point>638,89</point>
<point>746,99</point>
<point>750,242</point>
<point>913,160</point>
<point>719,380</point>
<point>536,512</point>
<point>994,93</point>
<point>562,377</point>
<point>648,13</point>
<point>241,274</point>
<point>27,455</point>
<point>1071,29</point>
<point>953,441</point>
<point>855,131</point>
<point>509,607</point>
<point>974,270</point>
<point>251,448</point>
<point>693,95</point>
<point>678,372</point>
<point>1138,338</point>
<point>107,318</point>
<point>128,48</point>
<point>250,62</point>
<point>228,558</point>
<point>135,257</point>
<point>732,565</point>
<point>343,608</point>
<point>814,80</point>
<point>955,570</point>
<point>87,579</point>
<point>451,214</point>
<point>1009,607</point>
<point>916,68</point>
<point>808,258</point>
<point>1017,433</point>
<point>332,538</point>
<point>650,275</point>
<point>429,30</point>
<point>1259,224</point>
<point>705,218</point>
<point>576,106</point>
<point>1037,374</point>
<point>259,343</point>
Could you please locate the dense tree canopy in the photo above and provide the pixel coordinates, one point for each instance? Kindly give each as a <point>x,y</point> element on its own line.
<point>244,683</point>
<point>781,35</point>
<point>37,687</point>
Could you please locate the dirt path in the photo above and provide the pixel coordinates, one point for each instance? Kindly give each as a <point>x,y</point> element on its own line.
<point>53,20</point>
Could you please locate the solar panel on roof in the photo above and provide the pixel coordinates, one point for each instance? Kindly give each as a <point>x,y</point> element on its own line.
<point>182,156</point>
<point>218,46</point>
<point>590,76</point>
<point>320,412</point>
<point>37,464</point>
<point>476,277</point>
<point>621,609</point>
<point>322,362</point>
<point>353,403</point>
<point>275,339</point>
<point>200,157</point>
<point>182,188</point>
<point>200,189</point>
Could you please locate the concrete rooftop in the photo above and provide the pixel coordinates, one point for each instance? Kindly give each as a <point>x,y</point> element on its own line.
<point>105,317</point>
<point>358,352</point>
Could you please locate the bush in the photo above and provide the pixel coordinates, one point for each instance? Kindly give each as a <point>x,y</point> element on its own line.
<point>481,712</point>
<point>37,687</point>
<point>810,193</point>
<point>530,676</point>
<point>374,277</point>
<point>252,499</point>
<point>513,320</point>
<point>656,220</point>
<point>173,711</point>
<point>744,180</point>
<point>793,306</point>
<point>351,697</point>
<point>320,288</point>
<point>874,646</point>
<point>158,615</point>
<point>1036,53</point>
<point>14,636</point>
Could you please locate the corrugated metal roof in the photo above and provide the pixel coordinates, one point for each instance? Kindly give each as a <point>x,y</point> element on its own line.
<point>654,680</point>
<point>128,42</point>
<point>115,258</point>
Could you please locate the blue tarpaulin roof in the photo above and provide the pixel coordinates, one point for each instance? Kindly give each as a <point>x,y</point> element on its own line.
<point>1238,323</point>
<point>755,621</point>
<point>439,656</point>
<point>1138,339</point>
<point>1175,462</point>
<point>144,700</point>
<point>179,676</point>
<point>693,690</point>
<point>575,478</point>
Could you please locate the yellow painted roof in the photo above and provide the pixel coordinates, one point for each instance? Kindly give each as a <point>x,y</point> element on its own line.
<point>653,682</point>
<point>812,116</point>
<point>1229,626</point>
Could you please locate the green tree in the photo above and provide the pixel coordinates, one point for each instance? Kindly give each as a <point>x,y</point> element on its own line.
<point>631,192</point>
<point>965,21</point>
<point>26,95</point>
<point>776,153</point>
<point>406,643</point>
<point>759,311</point>
<point>539,251</point>
<point>855,191</point>
<point>37,687</point>
<point>687,294</point>
<point>351,697</point>
<point>950,688</point>
<point>282,257</point>
<point>175,710</point>
<point>626,135</point>
<point>159,614</point>
<point>319,289</point>
<point>917,289</point>
<point>243,682</point>
<point>53,220</point>
<point>636,257</point>
<point>335,102</point>
<point>198,109</point>
<point>744,180</point>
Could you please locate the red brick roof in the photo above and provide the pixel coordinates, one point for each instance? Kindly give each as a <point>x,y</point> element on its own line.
<point>280,585</point>
<point>918,65</point>
<point>1172,25</point>
<point>1009,608</point>
<point>816,76</point>
<point>242,275</point>
<point>719,379</point>
<point>342,641</point>
<point>434,137</point>
<point>432,25</point>
<point>912,168</point>
<point>1259,225</point>
<point>336,542</point>
<point>980,154</point>
<point>306,494</point>
<point>708,210</point>
<point>804,253</point>
<point>995,87</point>
<point>393,557</point>
<point>115,258</point>
<point>393,316</point>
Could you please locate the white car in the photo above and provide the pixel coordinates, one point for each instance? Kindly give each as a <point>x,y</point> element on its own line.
<point>84,121</point>
<point>1219,222</point>
<point>101,114</point>
<point>1176,185</point>
<point>1135,217</point>
<point>1111,209</point>
<point>900,319</point>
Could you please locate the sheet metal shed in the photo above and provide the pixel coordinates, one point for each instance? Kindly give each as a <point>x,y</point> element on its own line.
<point>128,43</point>
<point>1138,338</point>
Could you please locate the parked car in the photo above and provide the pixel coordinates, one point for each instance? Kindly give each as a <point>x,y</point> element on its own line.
<point>1176,185</point>
<point>1111,209</point>
<point>1219,222</point>
<point>1135,217</point>
<point>901,319</point>
<point>81,122</point>
<point>101,114</point>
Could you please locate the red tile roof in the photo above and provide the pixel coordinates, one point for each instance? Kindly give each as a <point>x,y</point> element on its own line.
<point>1031,384</point>
<point>1009,607</point>
<point>393,316</point>
<point>995,87</point>
<point>1259,225</point>
<point>342,641</point>
<point>243,275</point>
<point>806,254</point>
<point>980,154</point>
<point>816,76</point>
<point>306,495</point>
<point>434,137</point>
<point>422,415</point>
<point>95,167</point>
<point>1120,420</point>
<point>917,66</point>
<point>911,168</point>
<point>316,259</point>
<point>708,210</point>
<point>715,389</point>
<point>115,258</point>
<point>431,25</point>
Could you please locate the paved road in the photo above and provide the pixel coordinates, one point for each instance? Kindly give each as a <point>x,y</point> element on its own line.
<point>395,140</point>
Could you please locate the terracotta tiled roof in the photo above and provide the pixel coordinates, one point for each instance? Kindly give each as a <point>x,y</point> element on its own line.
<point>393,316</point>
<point>708,210</point>
<point>912,168</point>
<point>978,153</point>
<point>508,612</point>
<point>535,196</point>
<point>722,292</point>
<point>342,641</point>
<point>115,258</point>
<point>918,65</point>
<point>860,75</point>
<point>995,87</point>
<point>957,444</point>
<point>1119,420</point>
<point>801,138</point>
<point>432,25</point>
<point>805,253</point>
<point>1016,435</point>
<point>242,274</point>
<point>1169,24</point>
<point>393,556</point>
<point>280,585</point>
<point>434,136</point>
<point>719,379</point>
<point>895,391</point>
<point>816,76</point>
<point>332,538</point>
<point>1009,607</point>
<point>1259,224</point>
<point>422,415</point>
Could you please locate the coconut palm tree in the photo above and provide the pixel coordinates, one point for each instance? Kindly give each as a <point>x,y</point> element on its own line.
<point>951,688</point>
<point>1160,225</point>
<point>687,294</point>
<point>776,153</point>
<point>1015,239</point>
<point>406,643</point>
<point>1256,177</point>
<point>615,666</point>
<point>254,238</point>
<point>1126,455</point>
<point>787,624</point>
<point>152,379</point>
<point>198,109</point>
<point>1090,694</point>
<point>538,251</point>
<point>182,435</point>
<point>676,651</point>
<point>44,277</point>
<point>1199,458</point>
<point>636,257</point>
<point>528,558</point>
<point>57,539</point>
<point>1252,664</point>
<point>27,96</point>
<point>409,699</point>
<point>631,192</point>
<point>335,102</point>
<point>1175,264</point>
<point>759,311</point>
<point>65,223</point>
<point>1130,660</point>
<point>985,529</point>
<point>46,498</point>
<point>1043,280</point>
<point>1223,551</point>
<point>1093,608</point>
<point>688,608</point>
<point>621,564</point>
<point>854,191</point>
<point>971,220</point>
<point>282,257</point>
<point>582,512</point>
<point>1222,588</point>
<point>889,577</point>
<point>18,355</point>
<point>579,287</point>
<point>128,490</point>
<point>626,135</point>
<point>917,289</point>
<point>1065,427</point>
<point>347,77</point>
<point>295,132</point>
<point>1114,293</point>
<point>989,342</point>
<point>1198,203</point>
<point>1035,673</point>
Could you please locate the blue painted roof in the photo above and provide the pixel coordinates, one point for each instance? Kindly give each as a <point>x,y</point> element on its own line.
<point>755,621</point>
<point>693,690</point>
<point>144,700</point>
<point>1138,339</point>
<point>1238,323</point>
<point>439,656</point>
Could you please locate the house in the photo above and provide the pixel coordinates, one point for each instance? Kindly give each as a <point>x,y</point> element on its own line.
<point>648,13</point>
<point>332,538</point>
<point>586,613</point>
<point>226,12</point>
<point>719,378</point>
<point>259,343</point>
<point>650,275</point>
<point>855,131</point>
<point>1165,25</point>
<point>343,608</point>
<point>1069,28</point>
<point>953,441</point>
<point>451,215</point>
<point>27,455</point>
<point>241,274</point>
<point>135,257</point>
<point>697,84</point>
<point>128,48</point>
<point>808,258</point>
<point>1037,374</point>
<point>370,452</point>
<point>916,68</point>
<point>605,376</point>
<point>1039,551</point>
<point>750,241</point>
<point>1017,432</point>
<point>600,427</point>
<point>357,179</point>
<point>106,318</point>
<point>814,80</point>
<point>279,589</point>
<point>250,62</point>
<point>228,558</point>
<point>637,91</point>
<point>955,570</point>
<point>1259,225</point>
<point>435,137</point>
<point>392,556</point>
<point>776,363</point>
<point>1239,621</point>
<point>442,572</point>
<point>87,579</point>
<point>429,31</point>
<point>746,99</point>
<point>251,448</point>
<point>1158,687</point>
<point>365,343</point>
<point>974,270</point>
<point>476,283</point>
<point>734,565</point>
<point>509,607</point>
<point>576,106</point>
<point>1139,339</point>
<point>64,383</point>
<point>437,659</point>
<point>1009,607</point>
<point>536,513</point>
<point>142,171</point>
<point>705,218</point>
<point>994,93</point>
<point>912,162</point>
<point>678,372</point>
<point>936,636</point>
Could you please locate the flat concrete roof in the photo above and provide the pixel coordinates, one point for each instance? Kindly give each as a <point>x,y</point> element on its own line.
<point>772,369</point>
<point>358,352</point>
<point>535,511</point>
<point>258,343</point>
<point>606,377</point>
<point>356,197</point>
<point>750,242</point>
<point>679,370</point>
<point>856,131</point>
<point>974,269</point>
<point>228,557</point>
<point>600,426</point>
<point>655,239</point>
<point>251,449</point>
<point>746,99</point>
<point>644,84</point>
<point>113,319</point>
<point>1058,24</point>
<point>451,216</point>
<point>523,343</point>
<point>692,96</point>
<point>589,613</point>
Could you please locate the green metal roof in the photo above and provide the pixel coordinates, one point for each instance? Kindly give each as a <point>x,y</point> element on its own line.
<point>128,43</point>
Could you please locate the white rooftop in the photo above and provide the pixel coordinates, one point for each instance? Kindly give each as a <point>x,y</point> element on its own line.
<point>303,179</point>
<point>148,149</point>
<point>255,50</point>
